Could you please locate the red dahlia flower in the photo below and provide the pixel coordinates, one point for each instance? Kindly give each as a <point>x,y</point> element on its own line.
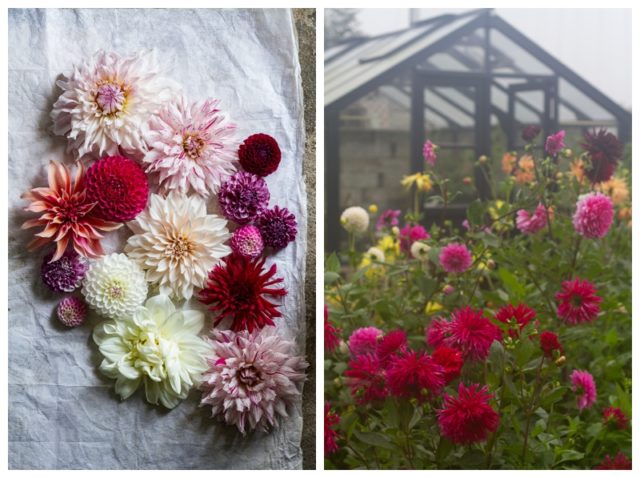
<point>578,302</point>
<point>472,333</point>
<point>620,462</point>
<point>394,342</point>
<point>614,414</point>
<point>437,332</point>
<point>260,154</point>
<point>412,374</point>
<point>365,377</point>
<point>450,359</point>
<point>518,316</point>
<point>331,333</point>
<point>549,342</point>
<point>468,418</point>
<point>238,289</point>
<point>605,150</point>
<point>330,435</point>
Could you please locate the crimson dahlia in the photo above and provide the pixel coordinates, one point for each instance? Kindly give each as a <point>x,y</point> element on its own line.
<point>518,317</point>
<point>548,343</point>
<point>614,414</point>
<point>620,462</point>
<point>393,343</point>
<point>331,333</point>
<point>330,435</point>
<point>450,359</point>
<point>259,154</point>
<point>365,377</point>
<point>578,302</point>
<point>413,374</point>
<point>472,333</point>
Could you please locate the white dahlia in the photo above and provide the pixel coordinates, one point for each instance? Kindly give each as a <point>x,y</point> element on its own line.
<point>114,286</point>
<point>158,346</point>
<point>420,250</point>
<point>192,147</point>
<point>355,220</point>
<point>177,243</point>
<point>252,378</point>
<point>107,101</point>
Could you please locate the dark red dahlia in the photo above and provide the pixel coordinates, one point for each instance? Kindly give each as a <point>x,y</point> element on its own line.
<point>330,435</point>
<point>472,333</point>
<point>518,317</point>
<point>238,288</point>
<point>605,150</point>
<point>620,462</point>
<point>393,343</point>
<point>260,154</point>
<point>578,302</point>
<point>617,416</point>
<point>365,377</point>
<point>549,343</point>
<point>450,359</point>
<point>468,418</point>
<point>414,375</point>
<point>277,226</point>
<point>331,333</point>
<point>119,188</point>
<point>530,132</point>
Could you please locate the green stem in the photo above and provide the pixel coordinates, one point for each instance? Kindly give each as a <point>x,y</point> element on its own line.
<point>531,408</point>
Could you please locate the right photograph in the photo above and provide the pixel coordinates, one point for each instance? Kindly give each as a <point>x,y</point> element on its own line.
<point>477,239</point>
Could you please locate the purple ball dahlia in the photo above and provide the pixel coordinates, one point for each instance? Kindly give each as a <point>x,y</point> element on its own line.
<point>65,274</point>
<point>72,311</point>
<point>243,197</point>
<point>247,242</point>
<point>278,227</point>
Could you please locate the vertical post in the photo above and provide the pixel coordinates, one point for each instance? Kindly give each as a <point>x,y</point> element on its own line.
<point>417,122</point>
<point>332,228</point>
<point>483,133</point>
<point>511,122</point>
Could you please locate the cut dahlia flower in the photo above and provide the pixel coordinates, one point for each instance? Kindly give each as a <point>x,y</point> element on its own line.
<point>66,215</point>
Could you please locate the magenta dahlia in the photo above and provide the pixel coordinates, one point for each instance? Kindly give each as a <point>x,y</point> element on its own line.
<point>450,360</point>
<point>364,340</point>
<point>549,343</point>
<point>617,416</point>
<point>410,234</point>
<point>393,343</point>
<point>415,375</point>
<point>331,333</point>
<point>388,219</point>
<point>278,227</point>
<point>455,258</point>
<point>605,150</point>
<point>243,197</point>
<point>620,462</point>
<point>529,223</point>
<point>578,302</point>
<point>429,153</point>
<point>330,435</point>
<point>239,288</point>
<point>518,317</point>
<point>247,242</point>
<point>582,382</point>
<point>65,274</point>
<point>365,376</point>
<point>72,311</point>
<point>471,333</point>
<point>260,154</point>
<point>119,188</point>
<point>594,215</point>
<point>468,418</point>
<point>555,143</point>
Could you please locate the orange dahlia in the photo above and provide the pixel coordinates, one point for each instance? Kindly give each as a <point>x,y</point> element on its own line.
<point>66,215</point>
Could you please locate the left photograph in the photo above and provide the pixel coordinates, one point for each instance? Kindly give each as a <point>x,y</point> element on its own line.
<point>160,169</point>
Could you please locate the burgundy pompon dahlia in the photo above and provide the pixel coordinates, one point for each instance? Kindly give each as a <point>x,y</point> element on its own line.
<point>278,227</point>
<point>260,154</point>
<point>65,274</point>
<point>605,150</point>
<point>549,343</point>
<point>243,197</point>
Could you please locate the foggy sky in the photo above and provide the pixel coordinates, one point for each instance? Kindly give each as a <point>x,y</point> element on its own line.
<point>595,43</point>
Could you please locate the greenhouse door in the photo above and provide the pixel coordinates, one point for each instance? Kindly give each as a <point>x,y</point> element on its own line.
<point>539,95</point>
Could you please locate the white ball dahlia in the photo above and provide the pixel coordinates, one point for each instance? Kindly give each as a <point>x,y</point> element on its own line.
<point>107,101</point>
<point>158,346</point>
<point>376,254</point>
<point>177,243</point>
<point>114,286</point>
<point>420,250</point>
<point>252,378</point>
<point>355,219</point>
<point>192,147</point>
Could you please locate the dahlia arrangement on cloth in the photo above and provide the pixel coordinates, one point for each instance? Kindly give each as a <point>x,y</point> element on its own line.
<point>497,341</point>
<point>192,207</point>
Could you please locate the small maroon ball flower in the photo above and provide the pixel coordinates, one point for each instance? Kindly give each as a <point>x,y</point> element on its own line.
<point>72,311</point>
<point>530,132</point>
<point>260,154</point>
<point>549,343</point>
<point>247,242</point>
<point>65,274</point>
<point>278,227</point>
<point>243,197</point>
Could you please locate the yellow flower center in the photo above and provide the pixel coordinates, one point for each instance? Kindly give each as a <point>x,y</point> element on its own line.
<point>192,145</point>
<point>179,247</point>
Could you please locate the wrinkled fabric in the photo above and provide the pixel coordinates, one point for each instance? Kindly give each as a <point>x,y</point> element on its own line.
<point>62,412</point>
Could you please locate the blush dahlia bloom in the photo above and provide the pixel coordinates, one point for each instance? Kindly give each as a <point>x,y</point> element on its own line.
<point>415,374</point>
<point>252,379</point>
<point>578,302</point>
<point>617,416</point>
<point>555,143</point>
<point>429,153</point>
<point>157,347</point>
<point>529,223</point>
<point>119,188</point>
<point>388,219</point>
<point>620,462</point>
<point>176,242</point>
<point>471,333</point>
<point>330,435</point>
<point>278,227</point>
<point>410,234</point>
<point>364,340</point>
<point>191,147</point>
<point>593,216</point>
<point>582,382</point>
<point>605,150</point>
<point>455,258</point>
<point>549,343</point>
<point>365,376</point>
<point>450,360</point>
<point>259,154</point>
<point>65,274</point>
<point>243,197</point>
<point>518,317</point>
<point>331,333</point>
<point>66,215</point>
<point>106,102</point>
<point>468,418</point>
<point>238,289</point>
<point>71,312</point>
<point>247,242</point>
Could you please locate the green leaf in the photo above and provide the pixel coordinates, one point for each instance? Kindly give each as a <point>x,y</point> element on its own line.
<point>444,448</point>
<point>553,396</point>
<point>570,455</point>
<point>511,283</point>
<point>417,416</point>
<point>523,352</point>
<point>475,213</point>
<point>331,277</point>
<point>332,263</point>
<point>374,439</point>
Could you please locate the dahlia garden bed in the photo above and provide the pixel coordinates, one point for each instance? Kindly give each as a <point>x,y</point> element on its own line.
<point>502,343</point>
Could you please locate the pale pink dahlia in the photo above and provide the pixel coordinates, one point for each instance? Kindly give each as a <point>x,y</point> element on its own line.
<point>106,102</point>
<point>593,216</point>
<point>72,311</point>
<point>191,147</point>
<point>364,340</point>
<point>455,258</point>
<point>531,223</point>
<point>583,383</point>
<point>252,378</point>
<point>247,242</point>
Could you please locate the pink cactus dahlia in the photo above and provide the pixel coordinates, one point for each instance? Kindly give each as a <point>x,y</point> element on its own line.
<point>191,147</point>
<point>252,378</point>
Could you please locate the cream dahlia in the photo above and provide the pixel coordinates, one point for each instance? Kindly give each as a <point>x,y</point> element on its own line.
<point>107,101</point>
<point>115,286</point>
<point>192,146</point>
<point>158,346</point>
<point>252,378</point>
<point>177,243</point>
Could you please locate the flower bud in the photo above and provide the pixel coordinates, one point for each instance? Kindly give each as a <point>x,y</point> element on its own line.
<point>467,180</point>
<point>491,264</point>
<point>448,289</point>
<point>567,153</point>
<point>562,359</point>
<point>343,347</point>
<point>373,208</point>
<point>395,230</point>
<point>483,159</point>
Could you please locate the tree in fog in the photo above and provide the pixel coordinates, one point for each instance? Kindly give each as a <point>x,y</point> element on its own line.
<point>340,24</point>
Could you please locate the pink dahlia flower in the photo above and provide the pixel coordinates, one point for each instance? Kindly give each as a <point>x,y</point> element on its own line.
<point>471,333</point>
<point>192,147</point>
<point>455,258</point>
<point>65,274</point>
<point>531,223</point>
<point>415,374</point>
<point>72,311</point>
<point>247,242</point>
<point>252,379</point>
<point>555,143</point>
<point>593,216</point>
<point>578,302</point>
<point>429,153</point>
<point>410,234</point>
<point>365,376</point>
<point>331,333</point>
<point>388,219</point>
<point>582,382</point>
<point>243,197</point>
<point>393,343</point>
<point>364,340</point>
